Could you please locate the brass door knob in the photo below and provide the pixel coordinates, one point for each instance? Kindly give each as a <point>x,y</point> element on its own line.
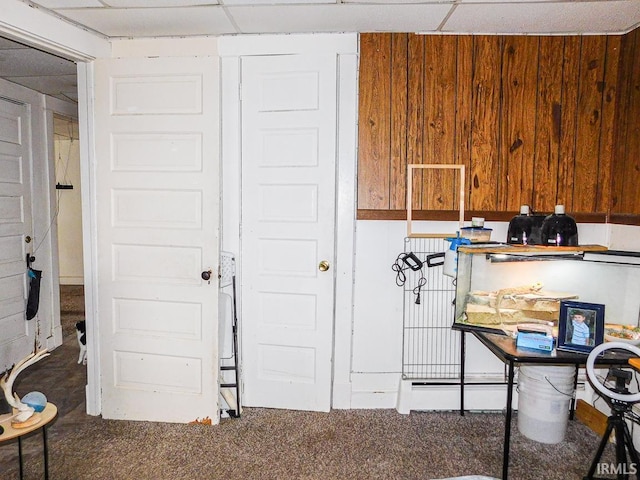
<point>323,266</point>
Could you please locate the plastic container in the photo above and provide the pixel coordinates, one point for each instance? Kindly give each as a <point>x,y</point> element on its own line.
<point>559,229</point>
<point>525,228</point>
<point>544,398</point>
<point>519,231</point>
<point>450,266</point>
<point>476,234</point>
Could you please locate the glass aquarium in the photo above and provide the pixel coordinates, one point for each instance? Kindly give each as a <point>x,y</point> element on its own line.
<point>503,287</point>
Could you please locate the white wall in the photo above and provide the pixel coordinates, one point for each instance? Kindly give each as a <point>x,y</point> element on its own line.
<point>378,311</point>
<point>67,172</point>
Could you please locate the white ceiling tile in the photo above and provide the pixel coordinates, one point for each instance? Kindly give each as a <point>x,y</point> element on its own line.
<point>338,18</point>
<point>396,2</point>
<point>158,3</point>
<point>33,62</point>
<point>5,43</point>
<point>48,85</point>
<point>278,2</point>
<point>533,1</point>
<point>67,96</point>
<point>538,18</point>
<point>155,22</point>
<point>68,3</point>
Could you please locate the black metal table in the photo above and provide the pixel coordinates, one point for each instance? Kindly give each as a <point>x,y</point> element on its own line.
<point>504,348</point>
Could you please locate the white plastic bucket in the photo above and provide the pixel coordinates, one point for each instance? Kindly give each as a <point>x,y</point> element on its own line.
<point>544,397</point>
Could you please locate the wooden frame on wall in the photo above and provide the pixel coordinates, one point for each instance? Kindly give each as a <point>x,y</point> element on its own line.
<point>415,166</point>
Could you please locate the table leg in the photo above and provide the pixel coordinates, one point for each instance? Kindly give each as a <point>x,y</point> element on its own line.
<point>572,408</point>
<point>20,455</point>
<point>507,424</point>
<point>462,362</point>
<point>45,449</point>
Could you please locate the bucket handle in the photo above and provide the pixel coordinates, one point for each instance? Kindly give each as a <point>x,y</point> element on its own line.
<point>570,395</point>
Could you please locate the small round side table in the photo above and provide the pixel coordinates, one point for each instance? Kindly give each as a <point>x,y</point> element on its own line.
<point>47,415</point>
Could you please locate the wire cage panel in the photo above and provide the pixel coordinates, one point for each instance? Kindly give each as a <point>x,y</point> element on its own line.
<point>227,268</point>
<point>431,349</point>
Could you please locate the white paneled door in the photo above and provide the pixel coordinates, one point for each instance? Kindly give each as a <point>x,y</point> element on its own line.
<point>157,206</point>
<point>17,334</point>
<point>288,214</point>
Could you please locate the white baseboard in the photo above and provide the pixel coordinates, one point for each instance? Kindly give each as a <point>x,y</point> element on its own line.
<point>447,397</point>
<point>387,390</point>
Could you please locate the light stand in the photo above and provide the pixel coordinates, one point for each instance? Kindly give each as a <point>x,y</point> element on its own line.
<point>621,402</point>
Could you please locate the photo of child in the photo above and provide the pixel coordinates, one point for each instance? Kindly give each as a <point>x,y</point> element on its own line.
<point>578,328</point>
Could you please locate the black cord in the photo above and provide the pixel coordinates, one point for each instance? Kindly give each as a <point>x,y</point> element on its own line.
<point>401,278</point>
<point>397,267</point>
<point>416,291</point>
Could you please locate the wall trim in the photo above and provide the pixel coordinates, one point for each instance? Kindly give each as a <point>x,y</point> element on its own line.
<point>32,26</point>
<point>288,44</point>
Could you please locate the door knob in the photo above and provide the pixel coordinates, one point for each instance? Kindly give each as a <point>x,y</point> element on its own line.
<point>323,266</point>
<point>206,275</point>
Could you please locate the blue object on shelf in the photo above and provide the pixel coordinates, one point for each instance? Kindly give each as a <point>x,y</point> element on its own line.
<point>534,341</point>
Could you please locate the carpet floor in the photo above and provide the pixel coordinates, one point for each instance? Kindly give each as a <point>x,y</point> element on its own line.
<point>276,444</point>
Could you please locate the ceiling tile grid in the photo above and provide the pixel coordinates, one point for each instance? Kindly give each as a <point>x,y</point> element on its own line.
<point>182,18</point>
<point>165,18</point>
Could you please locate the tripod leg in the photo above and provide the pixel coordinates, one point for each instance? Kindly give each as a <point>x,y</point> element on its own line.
<point>603,444</point>
<point>633,453</point>
<point>621,451</point>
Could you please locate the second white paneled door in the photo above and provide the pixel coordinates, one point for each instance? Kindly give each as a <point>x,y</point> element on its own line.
<point>287,229</point>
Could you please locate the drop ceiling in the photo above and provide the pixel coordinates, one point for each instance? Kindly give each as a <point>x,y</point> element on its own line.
<point>179,18</point>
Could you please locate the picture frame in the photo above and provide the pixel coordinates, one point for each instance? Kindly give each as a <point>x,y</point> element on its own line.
<point>580,326</point>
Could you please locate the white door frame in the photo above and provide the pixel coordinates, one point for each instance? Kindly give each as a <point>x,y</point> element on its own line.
<point>32,27</point>
<point>346,47</point>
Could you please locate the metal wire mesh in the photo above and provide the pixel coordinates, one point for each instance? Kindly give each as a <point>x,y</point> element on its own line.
<point>431,349</point>
<point>227,268</point>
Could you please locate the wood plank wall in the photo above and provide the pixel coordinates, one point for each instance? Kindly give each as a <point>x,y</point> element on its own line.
<point>626,167</point>
<point>533,119</point>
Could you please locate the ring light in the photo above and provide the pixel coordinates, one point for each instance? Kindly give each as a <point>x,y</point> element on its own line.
<point>629,398</point>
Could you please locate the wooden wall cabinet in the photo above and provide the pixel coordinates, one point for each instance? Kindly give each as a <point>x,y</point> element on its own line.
<point>533,119</point>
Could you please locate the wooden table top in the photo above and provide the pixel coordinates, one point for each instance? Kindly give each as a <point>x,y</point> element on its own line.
<point>49,413</point>
<point>635,363</point>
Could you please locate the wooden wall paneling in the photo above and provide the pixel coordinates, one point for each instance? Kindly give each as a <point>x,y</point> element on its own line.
<point>549,113</point>
<point>627,47</point>
<point>589,124</point>
<point>568,120</point>
<point>464,93</point>
<point>609,108</point>
<point>630,195</point>
<point>374,119</point>
<point>473,100</point>
<point>485,145</point>
<point>415,112</point>
<point>517,122</point>
<point>439,121</point>
<point>399,92</point>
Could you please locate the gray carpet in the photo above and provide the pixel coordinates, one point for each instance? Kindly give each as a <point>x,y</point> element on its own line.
<point>279,444</point>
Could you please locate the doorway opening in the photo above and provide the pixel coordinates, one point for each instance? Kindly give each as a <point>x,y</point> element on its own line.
<point>69,221</point>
